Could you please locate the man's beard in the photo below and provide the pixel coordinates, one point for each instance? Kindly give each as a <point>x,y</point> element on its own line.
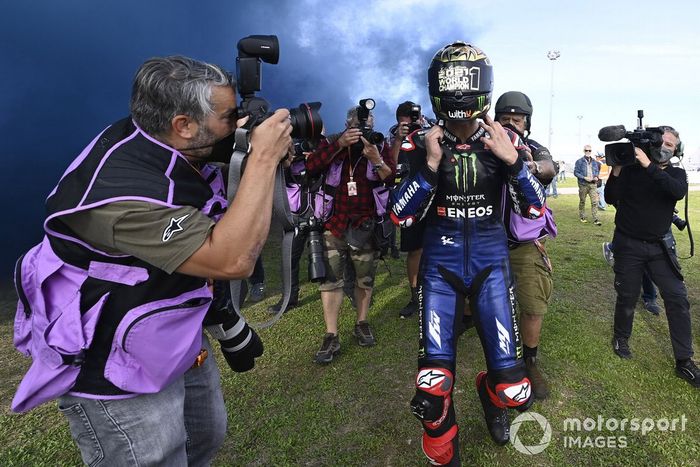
<point>201,145</point>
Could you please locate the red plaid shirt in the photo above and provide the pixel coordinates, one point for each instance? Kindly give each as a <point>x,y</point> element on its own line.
<point>348,210</point>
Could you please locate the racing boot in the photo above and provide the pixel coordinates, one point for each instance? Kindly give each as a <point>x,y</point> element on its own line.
<point>497,420</point>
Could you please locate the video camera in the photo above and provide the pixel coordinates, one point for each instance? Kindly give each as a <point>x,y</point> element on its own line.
<point>306,120</point>
<point>648,140</point>
<point>374,137</point>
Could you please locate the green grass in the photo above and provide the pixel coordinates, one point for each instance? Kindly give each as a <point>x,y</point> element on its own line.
<point>290,411</point>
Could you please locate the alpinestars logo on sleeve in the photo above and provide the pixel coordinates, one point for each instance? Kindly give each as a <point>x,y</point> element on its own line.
<point>174,227</point>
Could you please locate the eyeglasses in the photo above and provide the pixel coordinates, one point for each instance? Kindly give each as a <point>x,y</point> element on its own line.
<point>586,150</point>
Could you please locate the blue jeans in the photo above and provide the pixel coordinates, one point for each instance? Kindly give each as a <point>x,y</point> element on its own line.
<point>184,424</point>
<point>552,189</point>
<point>601,197</point>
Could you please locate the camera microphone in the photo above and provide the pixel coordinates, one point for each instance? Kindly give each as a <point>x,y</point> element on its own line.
<point>612,133</point>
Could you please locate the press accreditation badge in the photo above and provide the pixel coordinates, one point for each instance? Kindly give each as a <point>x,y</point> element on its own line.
<point>352,188</point>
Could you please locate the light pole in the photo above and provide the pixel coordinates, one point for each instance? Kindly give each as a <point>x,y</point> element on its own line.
<point>580,117</point>
<point>552,55</point>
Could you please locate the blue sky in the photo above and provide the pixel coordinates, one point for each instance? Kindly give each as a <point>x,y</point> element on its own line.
<point>68,65</point>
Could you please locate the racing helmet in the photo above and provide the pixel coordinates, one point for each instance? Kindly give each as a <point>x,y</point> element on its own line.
<point>460,82</point>
<point>517,103</point>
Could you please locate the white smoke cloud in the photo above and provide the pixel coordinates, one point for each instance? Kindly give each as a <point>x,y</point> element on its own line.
<point>382,49</point>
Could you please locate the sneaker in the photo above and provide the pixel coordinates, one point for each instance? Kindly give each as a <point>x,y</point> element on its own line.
<point>540,388</point>
<point>583,220</point>
<point>257,292</point>
<point>652,307</point>
<point>276,307</point>
<point>621,347</point>
<point>597,222</point>
<point>363,334</point>
<point>608,254</point>
<point>329,349</point>
<point>497,420</point>
<point>410,308</point>
<point>689,372</point>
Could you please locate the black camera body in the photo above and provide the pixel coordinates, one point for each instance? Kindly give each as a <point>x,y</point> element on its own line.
<point>415,116</point>
<point>252,50</point>
<point>374,137</point>
<point>647,139</point>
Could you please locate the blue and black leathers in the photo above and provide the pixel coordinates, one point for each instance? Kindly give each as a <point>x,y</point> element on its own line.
<point>465,254</point>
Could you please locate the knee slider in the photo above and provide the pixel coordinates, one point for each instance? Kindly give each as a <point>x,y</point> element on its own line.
<point>433,393</point>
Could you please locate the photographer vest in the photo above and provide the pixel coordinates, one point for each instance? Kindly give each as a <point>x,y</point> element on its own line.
<point>101,325</point>
<point>523,229</point>
<point>323,200</point>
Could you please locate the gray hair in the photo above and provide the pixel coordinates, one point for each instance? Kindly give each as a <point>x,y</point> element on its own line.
<point>168,86</point>
<point>352,115</point>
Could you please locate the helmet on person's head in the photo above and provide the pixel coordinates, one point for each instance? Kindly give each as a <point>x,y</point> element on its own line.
<point>515,102</point>
<point>460,82</point>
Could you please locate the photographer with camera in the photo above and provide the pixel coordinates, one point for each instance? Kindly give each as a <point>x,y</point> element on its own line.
<point>587,171</point>
<point>355,165</point>
<point>137,228</point>
<point>308,213</point>
<point>645,194</point>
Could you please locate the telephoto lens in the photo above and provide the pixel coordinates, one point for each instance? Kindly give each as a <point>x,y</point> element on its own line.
<point>240,344</point>
<point>317,262</point>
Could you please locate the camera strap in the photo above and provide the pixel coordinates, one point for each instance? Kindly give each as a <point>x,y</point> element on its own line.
<point>281,217</point>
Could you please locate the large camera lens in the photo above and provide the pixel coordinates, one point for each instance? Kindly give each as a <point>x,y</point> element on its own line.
<point>306,121</point>
<point>374,137</point>
<point>317,262</point>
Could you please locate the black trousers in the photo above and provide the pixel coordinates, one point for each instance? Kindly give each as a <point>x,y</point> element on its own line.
<point>632,257</point>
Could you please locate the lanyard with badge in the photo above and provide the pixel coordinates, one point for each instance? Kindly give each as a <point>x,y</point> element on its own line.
<point>352,185</point>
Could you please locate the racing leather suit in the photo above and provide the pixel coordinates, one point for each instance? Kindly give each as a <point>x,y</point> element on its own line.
<point>465,255</point>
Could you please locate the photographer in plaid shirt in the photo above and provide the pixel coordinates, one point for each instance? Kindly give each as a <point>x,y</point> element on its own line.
<point>361,167</point>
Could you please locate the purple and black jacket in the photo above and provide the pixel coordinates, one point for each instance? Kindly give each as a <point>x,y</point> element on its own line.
<point>100,325</point>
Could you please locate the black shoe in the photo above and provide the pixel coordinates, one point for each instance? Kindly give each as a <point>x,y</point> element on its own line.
<point>652,307</point>
<point>329,349</point>
<point>410,308</point>
<point>257,292</point>
<point>276,307</point>
<point>621,347</point>
<point>363,334</point>
<point>395,253</point>
<point>496,418</point>
<point>540,388</point>
<point>689,371</point>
